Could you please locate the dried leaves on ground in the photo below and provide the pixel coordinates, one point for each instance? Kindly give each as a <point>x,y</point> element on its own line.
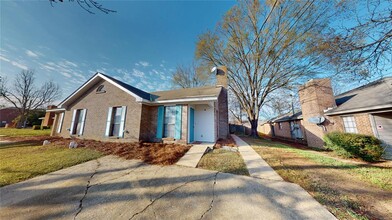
<point>349,191</point>
<point>152,153</point>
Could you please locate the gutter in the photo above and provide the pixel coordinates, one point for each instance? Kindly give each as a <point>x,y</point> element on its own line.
<point>378,107</point>
<point>56,110</point>
<point>171,101</point>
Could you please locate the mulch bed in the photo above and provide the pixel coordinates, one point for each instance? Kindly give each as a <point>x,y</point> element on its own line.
<point>151,153</point>
<point>225,142</point>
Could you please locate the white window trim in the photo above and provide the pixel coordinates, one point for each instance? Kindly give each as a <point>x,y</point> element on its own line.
<point>347,128</point>
<point>61,119</point>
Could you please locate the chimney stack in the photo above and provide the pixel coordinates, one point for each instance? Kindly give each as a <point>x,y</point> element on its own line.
<point>221,76</point>
<point>315,97</point>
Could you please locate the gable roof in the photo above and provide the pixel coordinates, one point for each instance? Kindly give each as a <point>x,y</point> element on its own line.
<point>135,92</point>
<point>373,96</point>
<point>288,117</point>
<point>188,93</point>
<point>208,93</point>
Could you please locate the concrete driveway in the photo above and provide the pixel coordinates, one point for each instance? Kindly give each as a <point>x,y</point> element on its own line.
<point>114,188</point>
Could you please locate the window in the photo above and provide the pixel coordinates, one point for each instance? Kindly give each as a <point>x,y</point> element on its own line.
<point>280,125</point>
<point>116,122</point>
<point>78,119</point>
<point>349,124</point>
<point>170,121</point>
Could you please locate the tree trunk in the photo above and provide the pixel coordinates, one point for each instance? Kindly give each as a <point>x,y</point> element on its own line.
<point>21,121</point>
<point>253,124</point>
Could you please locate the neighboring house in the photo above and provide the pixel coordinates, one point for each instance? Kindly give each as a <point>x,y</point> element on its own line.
<point>7,115</point>
<point>364,110</point>
<point>105,108</point>
<point>287,126</point>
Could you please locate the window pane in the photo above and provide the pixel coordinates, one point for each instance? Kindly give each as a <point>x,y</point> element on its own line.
<point>116,121</point>
<point>349,124</point>
<point>170,120</point>
<point>117,115</point>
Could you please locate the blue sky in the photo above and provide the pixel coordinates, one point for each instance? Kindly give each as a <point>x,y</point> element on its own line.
<point>141,44</point>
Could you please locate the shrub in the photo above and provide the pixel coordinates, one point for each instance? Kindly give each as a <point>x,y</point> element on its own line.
<point>36,127</point>
<point>350,145</point>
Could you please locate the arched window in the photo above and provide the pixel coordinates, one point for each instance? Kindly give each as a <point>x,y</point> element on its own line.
<point>101,89</point>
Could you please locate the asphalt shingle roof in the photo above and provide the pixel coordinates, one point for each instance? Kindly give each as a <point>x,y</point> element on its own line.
<point>138,92</point>
<point>374,94</point>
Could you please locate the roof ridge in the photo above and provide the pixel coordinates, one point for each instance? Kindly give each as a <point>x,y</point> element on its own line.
<point>365,86</point>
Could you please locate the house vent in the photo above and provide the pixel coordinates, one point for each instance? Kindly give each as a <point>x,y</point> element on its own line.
<point>101,89</point>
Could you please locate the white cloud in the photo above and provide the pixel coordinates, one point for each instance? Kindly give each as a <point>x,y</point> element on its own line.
<point>14,63</point>
<point>143,63</point>
<point>66,74</point>
<point>31,54</point>
<point>65,68</point>
<point>138,73</point>
<point>71,63</point>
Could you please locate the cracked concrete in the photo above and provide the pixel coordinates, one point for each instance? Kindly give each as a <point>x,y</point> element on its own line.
<point>124,189</point>
<point>80,208</point>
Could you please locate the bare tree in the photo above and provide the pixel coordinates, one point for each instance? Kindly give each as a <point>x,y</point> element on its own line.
<point>191,76</point>
<point>26,96</point>
<point>266,47</point>
<point>87,5</point>
<point>364,48</point>
<point>236,113</point>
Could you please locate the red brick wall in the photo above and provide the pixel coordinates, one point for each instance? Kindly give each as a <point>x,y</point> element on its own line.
<point>283,131</point>
<point>315,97</point>
<point>223,114</point>
<point>363,124</point>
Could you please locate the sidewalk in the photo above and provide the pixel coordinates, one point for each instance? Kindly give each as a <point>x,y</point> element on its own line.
<point>193,156</point>
<point>257,167</point>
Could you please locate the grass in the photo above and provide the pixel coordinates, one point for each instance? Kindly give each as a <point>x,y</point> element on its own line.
<point>224,161</point>
<point>380,177</point>
<point>303,168</point>
<point>21,161</point>
<point>23,132</point>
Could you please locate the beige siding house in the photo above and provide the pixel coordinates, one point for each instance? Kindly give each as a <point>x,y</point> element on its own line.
<point>104,108</point>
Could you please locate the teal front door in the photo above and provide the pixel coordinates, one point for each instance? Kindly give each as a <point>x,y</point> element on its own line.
<point>191,125</point>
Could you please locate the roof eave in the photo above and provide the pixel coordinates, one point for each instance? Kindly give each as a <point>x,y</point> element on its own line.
<point>365,109</point>
<point>102,76</point>
<point>174,101</point>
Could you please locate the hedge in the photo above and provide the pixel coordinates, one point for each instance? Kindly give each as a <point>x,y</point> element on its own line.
<point>350,145</point>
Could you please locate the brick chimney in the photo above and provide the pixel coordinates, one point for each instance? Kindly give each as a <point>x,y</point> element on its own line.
<point>315,97</point>
<point>221,76</point>
<point>48,120</point>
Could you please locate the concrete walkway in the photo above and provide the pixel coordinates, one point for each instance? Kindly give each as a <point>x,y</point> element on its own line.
<point>257,167</point>
<point>115,188</point>
<point>193,156</point>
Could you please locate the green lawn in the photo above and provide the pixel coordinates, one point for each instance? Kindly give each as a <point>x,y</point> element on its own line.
<point>23,132</point>
<point>224,161</point>
<point>21,161</point>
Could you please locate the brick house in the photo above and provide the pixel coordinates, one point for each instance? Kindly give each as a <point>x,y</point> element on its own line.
<point>105,108</point>
<point>7,115</point>
<point>364,110</point>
